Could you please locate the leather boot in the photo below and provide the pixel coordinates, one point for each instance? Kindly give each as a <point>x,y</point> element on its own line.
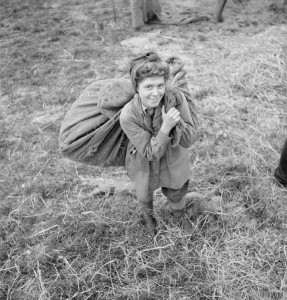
<point>183,221</point>
<point>150,221</point>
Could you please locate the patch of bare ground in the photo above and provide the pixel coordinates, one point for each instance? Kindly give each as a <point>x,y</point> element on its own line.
<point>71,231</point>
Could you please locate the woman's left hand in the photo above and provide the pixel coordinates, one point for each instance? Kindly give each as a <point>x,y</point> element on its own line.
<point>169,119</point>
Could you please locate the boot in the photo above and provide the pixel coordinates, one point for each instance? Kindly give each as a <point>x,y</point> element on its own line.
<point>150,221</point>
<point>183,221</point>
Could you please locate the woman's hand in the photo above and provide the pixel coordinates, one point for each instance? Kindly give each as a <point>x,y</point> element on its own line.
<point>169,119</point>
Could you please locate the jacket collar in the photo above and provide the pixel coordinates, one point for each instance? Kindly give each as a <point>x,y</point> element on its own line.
<point>139,106</point>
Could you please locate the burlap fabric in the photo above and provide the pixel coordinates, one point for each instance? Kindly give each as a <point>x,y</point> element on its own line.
<point>90,132</point>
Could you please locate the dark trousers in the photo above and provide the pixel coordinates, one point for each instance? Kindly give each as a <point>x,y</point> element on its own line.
<point>281,171</point>
<point>176,198</point>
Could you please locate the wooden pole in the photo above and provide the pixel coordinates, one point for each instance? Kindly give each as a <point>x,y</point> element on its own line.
<point>114,11</point>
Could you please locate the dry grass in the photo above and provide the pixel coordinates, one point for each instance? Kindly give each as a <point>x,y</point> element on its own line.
<point>69,231</point>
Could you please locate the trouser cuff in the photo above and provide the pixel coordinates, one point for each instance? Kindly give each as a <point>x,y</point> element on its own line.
<point>144,198</point>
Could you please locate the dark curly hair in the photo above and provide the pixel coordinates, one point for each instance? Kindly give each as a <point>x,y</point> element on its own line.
<point>147,65</point>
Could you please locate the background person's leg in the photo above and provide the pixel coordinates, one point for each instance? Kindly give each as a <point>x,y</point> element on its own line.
<point>281,171</point>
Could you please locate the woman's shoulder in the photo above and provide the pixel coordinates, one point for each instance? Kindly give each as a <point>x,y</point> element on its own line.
<point>129,110</point>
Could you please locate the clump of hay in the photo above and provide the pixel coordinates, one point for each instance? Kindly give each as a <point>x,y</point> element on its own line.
<point>254,66</point>
<point>257,66</point>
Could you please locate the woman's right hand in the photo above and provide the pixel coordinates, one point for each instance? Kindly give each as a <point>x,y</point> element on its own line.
<point>169,119</point>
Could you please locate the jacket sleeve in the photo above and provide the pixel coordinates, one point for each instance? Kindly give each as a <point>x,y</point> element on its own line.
<point>149,146</point>
<point>187,126</point>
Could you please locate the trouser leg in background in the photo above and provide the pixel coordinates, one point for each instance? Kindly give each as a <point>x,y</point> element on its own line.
<point>281,171</point>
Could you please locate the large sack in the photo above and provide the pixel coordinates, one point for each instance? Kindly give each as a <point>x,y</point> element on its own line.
<point>90,132</point>
<point>178,81</point>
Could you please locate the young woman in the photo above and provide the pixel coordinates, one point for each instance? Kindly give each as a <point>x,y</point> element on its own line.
<point>160,129</point>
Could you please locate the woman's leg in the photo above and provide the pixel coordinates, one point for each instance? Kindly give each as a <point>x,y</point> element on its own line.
<point>146,202</point>
<point>177,201</point>
<point>281,171</point>
<point>176,198</point>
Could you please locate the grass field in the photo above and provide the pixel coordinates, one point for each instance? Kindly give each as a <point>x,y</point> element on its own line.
<point>72,231</point>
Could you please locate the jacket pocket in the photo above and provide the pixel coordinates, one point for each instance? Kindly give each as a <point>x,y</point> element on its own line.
<point>174,154</point>
<point>135,161</point>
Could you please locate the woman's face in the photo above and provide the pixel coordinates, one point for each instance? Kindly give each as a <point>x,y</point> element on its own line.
<point>151,90</point>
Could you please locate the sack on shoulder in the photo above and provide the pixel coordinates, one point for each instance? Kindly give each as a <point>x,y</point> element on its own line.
<point>90,132</point>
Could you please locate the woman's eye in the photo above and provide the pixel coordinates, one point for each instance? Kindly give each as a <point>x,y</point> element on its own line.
<point>161,86</point>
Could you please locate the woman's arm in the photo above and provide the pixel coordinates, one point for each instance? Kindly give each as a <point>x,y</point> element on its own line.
<point>149,146</point>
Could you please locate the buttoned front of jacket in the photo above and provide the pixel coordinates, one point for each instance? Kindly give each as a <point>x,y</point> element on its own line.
<point>151,160</point>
